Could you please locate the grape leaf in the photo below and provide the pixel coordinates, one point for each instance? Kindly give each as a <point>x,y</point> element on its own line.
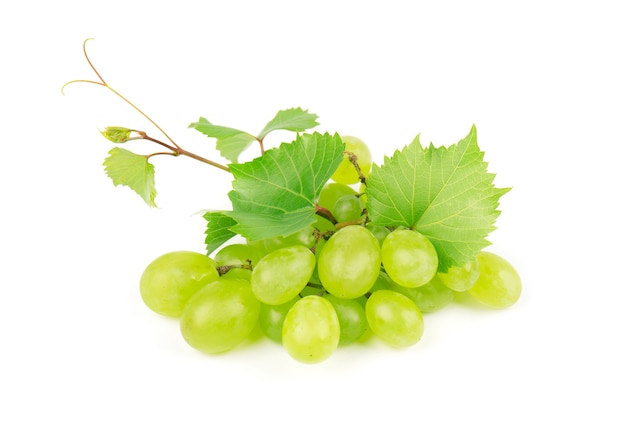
<point>132,170</point>
<point>295,119</point>
<point>274,195</point>
<point>230,141</point>
<point>218,229</point>
<point>444,193</point>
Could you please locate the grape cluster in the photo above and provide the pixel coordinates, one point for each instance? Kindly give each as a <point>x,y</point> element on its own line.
<point>325,286</point>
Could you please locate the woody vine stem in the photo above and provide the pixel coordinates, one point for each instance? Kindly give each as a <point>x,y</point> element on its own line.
<point>175,149</point>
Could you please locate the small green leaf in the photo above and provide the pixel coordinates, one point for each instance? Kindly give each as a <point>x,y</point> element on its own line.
<point>294,119</point>
<point>230,141</point>
<point>444,193</point>
<point>274,195</point>
<point>218,229</point>
<point>131,170</point>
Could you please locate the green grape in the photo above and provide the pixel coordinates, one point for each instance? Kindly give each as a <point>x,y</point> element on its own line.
<point>323,225</point>
<point>331,192</point>
<point>498,285</point>
<point>430,297</point>
<point>346,173</point>
<point>352,320</point>
<point>220,316</point>
<point>394,318</point>
<point>379,231</point>
<point>170,280</point>
<point>303,237</point>
<point>347,208</point>
<point>311,290</point>
<point>383,282</point>
<point>282,274</point>
<point>238,254</point>
<point>271,318</point>
<point>311,330</point>
<point>409,258</point>
<point>349,263</point>
<point>240,273</point>
<point>460,278</point>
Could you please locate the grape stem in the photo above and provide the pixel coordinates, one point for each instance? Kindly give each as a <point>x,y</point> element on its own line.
<point>325,213</point>
<point>174,147</point>
<point>353,160</point>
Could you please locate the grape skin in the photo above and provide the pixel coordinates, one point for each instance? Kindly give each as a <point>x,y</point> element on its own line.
<point>394,318</point>
<point>282,274</point>
<point>352,319</point>
<point>409,258</point>
<point>349,262</point>
<point>462,278</point>
<point>272,317</point>
<point>498,285</point>
<point>220,316</point>
<point>311,330</point>
<point>170,280</point>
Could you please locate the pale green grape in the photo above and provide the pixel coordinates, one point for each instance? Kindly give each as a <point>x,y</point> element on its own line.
<point>379,231</point>
<point>271,318</point>
<point>238,254</point>
<point>240,273</point>
<point>331,192</point>
<point>409,258</point>
<point>430,297</point>
<point>352,320</point>
<point>170,280</point>
<point>303,237</point>
<point>311,330</point>
<point>282,274</point>
<point>347,208</point>
<point>220,316</point>
<point>346,173</point>
<point>460,278</point>
<point>498,285</point>
<point>349,262</point>
<point>394,318</point>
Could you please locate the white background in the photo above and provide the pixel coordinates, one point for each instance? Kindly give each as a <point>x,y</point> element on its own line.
<point>544,82</point>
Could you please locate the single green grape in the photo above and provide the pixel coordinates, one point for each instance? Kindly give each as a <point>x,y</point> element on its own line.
<point>460,278</point>
<point>303,237</point>
<point>311,330</point>
<point>379,231</point>
<point>349,262</point>
<point>430,297</point>
<point>409,258</point>
<point>394,318</point>
<point>271,318</point>
<point>352,320</point>
<point>282,274</point>
<point>240,273</point>
<point>331,192</point>
<point>347,208</point>
<point>346,173</point>
<point>498,285</point>
<point>220,316</point>
<point>170,280</point>
<point>238,254</point>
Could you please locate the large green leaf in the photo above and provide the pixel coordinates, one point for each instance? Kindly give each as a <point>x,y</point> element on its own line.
<point>274,195</point>
<point>444,193</point>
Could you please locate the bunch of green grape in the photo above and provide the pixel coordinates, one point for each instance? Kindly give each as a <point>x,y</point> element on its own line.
<point>329,285</point>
